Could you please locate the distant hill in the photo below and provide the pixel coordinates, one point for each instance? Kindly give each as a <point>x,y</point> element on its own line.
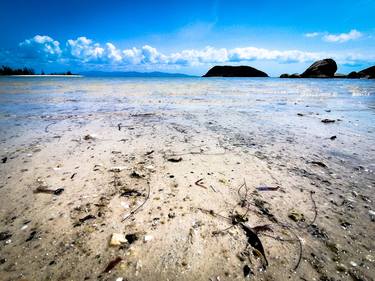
<point>132,74</point>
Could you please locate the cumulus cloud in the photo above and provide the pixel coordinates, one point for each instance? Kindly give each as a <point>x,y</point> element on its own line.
<point>40,47</point>
<point>343,37</point>
<point>83,51</point>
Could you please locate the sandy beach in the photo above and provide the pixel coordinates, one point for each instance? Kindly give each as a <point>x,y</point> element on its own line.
<point>187,179</point>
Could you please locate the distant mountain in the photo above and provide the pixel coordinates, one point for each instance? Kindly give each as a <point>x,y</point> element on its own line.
<point>133,74</point>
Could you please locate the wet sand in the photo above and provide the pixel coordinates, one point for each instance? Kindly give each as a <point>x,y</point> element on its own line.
<point>181,175</point>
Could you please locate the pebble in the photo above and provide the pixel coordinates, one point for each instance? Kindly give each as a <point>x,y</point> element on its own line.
<point>117,239</point>
<point>148,238</point>
<point>341,267</point>
<point>370,258</point>
<point>119,279</point>
<point>354,264</point>
<point>117,169</point>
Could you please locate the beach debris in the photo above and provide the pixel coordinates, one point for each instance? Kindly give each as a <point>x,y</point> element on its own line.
<point>117,169</point>
<point>112,264</point>
<point>200,183</point>
<point>254,241</point>
<point>296,216</point>
<point>238,218</point>
<point>175,159</point>
<point>345,225</point>
<point>333,138</point>
<point>135,175</point>
<point>315,231</point>
<point>142,114</point>
<point>318,163</point>
<point>43,189</point>
<point>260,204</point>
<point>261,228</point>
<point>89,137</point>
<point>247,271</point>
<point>119,126</point>
<point>82,220</point>
<point>172,215</point>
<point>132,237</point>
<point>32,235</point>
<point>149,152</point>
<point>328,121</point>
<point>300,114</point>
<point>117,239</point>
<point>4,160</point>
<point>4,235</point>
<point>73,175</point>
<point>131,192</point>
<point>147,238</point>
<point>268,188</point>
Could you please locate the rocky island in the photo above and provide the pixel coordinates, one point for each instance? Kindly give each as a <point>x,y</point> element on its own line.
<point>234,71</point>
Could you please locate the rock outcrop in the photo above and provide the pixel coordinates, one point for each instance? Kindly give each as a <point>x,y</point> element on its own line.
<point>321,69</point>
<point>285,75</point>
<point>234,71</point>
<point>365,73</point>
<point>368,72</point>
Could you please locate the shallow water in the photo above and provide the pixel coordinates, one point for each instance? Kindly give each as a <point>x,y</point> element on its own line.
<point>266,107</point>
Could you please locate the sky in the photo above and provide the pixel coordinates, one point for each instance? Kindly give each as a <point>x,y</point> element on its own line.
<point>186,36</point>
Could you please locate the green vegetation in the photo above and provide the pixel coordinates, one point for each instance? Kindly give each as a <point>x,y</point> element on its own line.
<point>6,70</point>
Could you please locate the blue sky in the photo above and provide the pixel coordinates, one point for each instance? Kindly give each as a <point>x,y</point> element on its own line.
<point>186,36</point>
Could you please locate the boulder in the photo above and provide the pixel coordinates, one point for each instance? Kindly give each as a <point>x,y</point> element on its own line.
<point>321,69</point>
<point>234,71</point>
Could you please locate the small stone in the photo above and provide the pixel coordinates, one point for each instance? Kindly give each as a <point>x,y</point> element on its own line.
<point>117,169</point>
<point>24,227</point>
<point>355,194</point>
<point>370,258</point>
<point>372,215</point>
<point>171,215</point>
<point>148,238</point>
<point>117,239</point>
<point>354,264</point>
<point>341,267</point>
<point>296,216</point>
<point>119,279</point>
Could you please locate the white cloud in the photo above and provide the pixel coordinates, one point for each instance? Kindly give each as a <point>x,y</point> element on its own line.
<point>343,37</point>
<point>83,51</point>
<point>40,47</point>
<point>312,34</point>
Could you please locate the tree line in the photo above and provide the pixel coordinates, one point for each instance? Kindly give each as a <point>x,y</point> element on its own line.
<point>6,70</point>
